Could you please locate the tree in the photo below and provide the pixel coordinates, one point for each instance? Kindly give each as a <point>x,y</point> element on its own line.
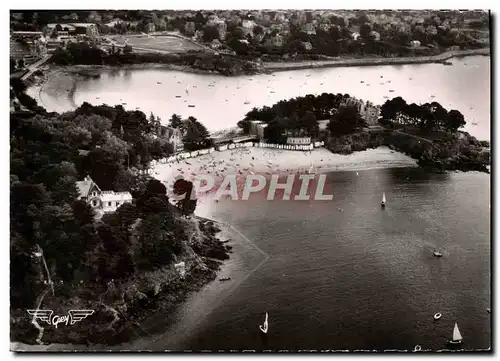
<point>258,30</point>
<point>187,205</point>
<point>275,132</point>
<point>210,33</point>
<point>345,120</point>
<point>13,64</point>
<point>365,31</point>
<point>196,135</point>
<point>392,107</point>
<point>20,63</point>
<point>309,123</point>
<point>455,120</point>
<point>175,122</point>
<point>245,125</point>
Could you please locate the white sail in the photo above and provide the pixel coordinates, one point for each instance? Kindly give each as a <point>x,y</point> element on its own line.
<point>383,197</point>
<point>265,326</point>
<point>456,334</point>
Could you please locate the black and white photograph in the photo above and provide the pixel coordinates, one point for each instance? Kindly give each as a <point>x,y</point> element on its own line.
<point>250,180</point>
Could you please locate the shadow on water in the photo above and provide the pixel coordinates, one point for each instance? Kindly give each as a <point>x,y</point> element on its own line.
<point>414,175</point>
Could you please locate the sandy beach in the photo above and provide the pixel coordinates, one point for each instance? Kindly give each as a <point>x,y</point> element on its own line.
<point>267,161</point>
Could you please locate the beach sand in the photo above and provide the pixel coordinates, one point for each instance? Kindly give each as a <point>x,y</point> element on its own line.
<point>268,161</point>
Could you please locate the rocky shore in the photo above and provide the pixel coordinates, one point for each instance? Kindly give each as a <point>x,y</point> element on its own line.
<point>120,307</point>
<point>459,151</point>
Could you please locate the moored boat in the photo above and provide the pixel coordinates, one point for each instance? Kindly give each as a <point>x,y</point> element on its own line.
<point>383,203</point>
<point>437,316</point>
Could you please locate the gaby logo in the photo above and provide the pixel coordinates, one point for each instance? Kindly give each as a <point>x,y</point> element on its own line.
<point>240,188</point>
<point>72,317</point>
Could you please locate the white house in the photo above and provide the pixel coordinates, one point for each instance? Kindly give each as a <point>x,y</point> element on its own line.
<point>101,201</point>
<point>110,200</point>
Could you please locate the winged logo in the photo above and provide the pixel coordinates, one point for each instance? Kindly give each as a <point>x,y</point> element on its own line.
<point>42,315</point>
<point>78,315</point>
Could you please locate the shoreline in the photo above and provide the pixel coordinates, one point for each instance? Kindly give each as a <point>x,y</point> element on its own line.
<point>266,161</point>
<point>150,330</point>
<point>349,62</point>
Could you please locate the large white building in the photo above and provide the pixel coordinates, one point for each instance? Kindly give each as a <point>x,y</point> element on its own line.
<point>101,201</point>
<point>298,140</point>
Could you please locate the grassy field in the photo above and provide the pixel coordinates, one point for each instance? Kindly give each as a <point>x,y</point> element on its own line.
<point>159,43</point>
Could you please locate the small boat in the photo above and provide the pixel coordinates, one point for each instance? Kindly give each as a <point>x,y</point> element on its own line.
<point>158,82</point>
<point>191,105</point>
<point>488,310</point>
<point>362,81</point>
<point>225,279</point>
<point>457,337</point>
<point>178,96</point>
<point>436,253</point>
<point>265,326</point>
<point>437,316</point>
<point>417,348</point>
<point>474,123</point>
<point>432,96</point>
<point>391,90</point>
<point>383,200</point>
<point>247,102</point>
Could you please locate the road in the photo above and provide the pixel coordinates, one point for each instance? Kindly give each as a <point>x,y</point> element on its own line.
<point>33,67</point>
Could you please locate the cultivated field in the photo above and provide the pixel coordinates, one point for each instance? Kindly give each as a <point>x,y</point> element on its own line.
<point>164,43</point>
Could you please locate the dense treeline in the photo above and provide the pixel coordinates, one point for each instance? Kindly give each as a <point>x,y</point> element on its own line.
<point>49,153</point>
<point>428,117</point>
<point>299,116</point>
<point>87,54</point>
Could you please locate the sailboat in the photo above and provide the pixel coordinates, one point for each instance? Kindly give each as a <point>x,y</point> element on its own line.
<point>246,101</point>
<point>187,90</point>
<point>383,200</point>
<point>457,337</point>
<point>265,326</point>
